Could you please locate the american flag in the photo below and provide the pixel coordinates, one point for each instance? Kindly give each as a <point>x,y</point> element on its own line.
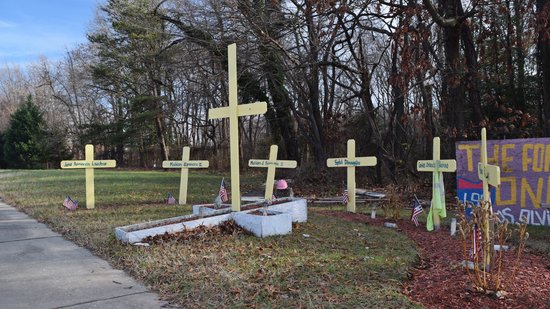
<point>416,211</point>
<point>476,240</point>
<point>345,196</point>
<point>223,192</point>
<point>171,199</point>
<point>70,204</point>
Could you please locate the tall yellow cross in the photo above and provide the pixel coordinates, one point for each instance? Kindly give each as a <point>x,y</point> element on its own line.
<point>351,162</point>
<point>436,166</point>
<point>89,164</point>
<point>271,165</point>
<point>185,164</point>
<point>233,112</point>
<point>487,173</point>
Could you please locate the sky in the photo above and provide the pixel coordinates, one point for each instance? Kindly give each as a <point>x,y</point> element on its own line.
<point>33,28</point>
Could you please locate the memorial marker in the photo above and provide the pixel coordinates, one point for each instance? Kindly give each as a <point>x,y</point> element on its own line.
<point>271,165</point>
<point>351,162</point>
<point>233,112</point>
<point>489,175</point>
<point>185,164</point>
<point>89,164</point>
<point>437,167</point>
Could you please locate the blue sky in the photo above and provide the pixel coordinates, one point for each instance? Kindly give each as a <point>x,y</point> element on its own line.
<point>30,28</point>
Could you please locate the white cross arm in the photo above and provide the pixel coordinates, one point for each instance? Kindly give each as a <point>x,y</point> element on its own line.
<point>433,166</point>
<point>88,164</point>
<point>242,110</point>
<point>185,164</point>
<point>490,172</point>
<point>346,162</point>
<point>277,164</point>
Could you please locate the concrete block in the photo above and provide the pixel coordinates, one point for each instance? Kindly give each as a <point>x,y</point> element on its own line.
<point>277,223</point>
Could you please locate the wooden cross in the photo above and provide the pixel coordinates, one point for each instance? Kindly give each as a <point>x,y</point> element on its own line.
<point>489,174</point>
<point>89,164</point>
<point>185,164</point>
<point>436,165</point>
<point>233,112</point>
<point>271,165</point>
<point>351,162</point>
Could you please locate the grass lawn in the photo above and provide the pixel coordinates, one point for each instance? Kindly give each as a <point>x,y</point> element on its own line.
<point>340,264</point>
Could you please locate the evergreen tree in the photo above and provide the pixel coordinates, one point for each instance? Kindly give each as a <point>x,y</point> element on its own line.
<point>2,162</point>
<point>22,140</point>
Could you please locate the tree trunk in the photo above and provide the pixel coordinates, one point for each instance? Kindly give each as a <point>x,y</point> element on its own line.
<point>543,44</point>
<point>312,80</point>
<point>472,70</point>
<point>398,98</point>
<point>454,97</point>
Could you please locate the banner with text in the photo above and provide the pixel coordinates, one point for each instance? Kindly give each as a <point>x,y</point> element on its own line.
<point>525,177</point>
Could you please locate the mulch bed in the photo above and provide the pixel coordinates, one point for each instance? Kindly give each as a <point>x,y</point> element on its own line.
<point>438,281</point>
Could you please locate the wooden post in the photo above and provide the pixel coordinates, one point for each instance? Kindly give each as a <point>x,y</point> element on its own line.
<point>233,112</point>
<point>89,164</point>
<point>437,167</point>
<point>271,165</point>
<point>185,164</point>
<point>351,162</point>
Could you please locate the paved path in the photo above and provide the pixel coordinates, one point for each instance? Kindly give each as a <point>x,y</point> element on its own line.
<point>40,269</point>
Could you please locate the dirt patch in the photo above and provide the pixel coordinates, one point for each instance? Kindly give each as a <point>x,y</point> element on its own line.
<point>438,281</point>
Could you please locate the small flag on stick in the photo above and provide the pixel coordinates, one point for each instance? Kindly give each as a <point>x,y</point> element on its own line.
<point>476,240</point>
<point>416,211</point>
<point>223,192</point>
<point>170,199</point>
<point>345,196</point>
<point>70,204</point>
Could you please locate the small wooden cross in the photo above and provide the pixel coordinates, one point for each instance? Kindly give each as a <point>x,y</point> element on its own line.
<point>89,164</point>
<point>487,173</point>
<point>351,162</point>
<point>233,112</point>
<point>436,165</point>
<point>271,165</point>
<point>185,164</point>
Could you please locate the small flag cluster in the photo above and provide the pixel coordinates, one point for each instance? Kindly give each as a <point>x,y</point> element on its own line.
<point>70,204</point>
<point>223,192</point>
<point>416,211</point>
<point>170,199</point>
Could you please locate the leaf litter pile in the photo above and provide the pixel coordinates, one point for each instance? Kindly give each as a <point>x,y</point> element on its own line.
<point>200,233</point>
<point>438,280</point>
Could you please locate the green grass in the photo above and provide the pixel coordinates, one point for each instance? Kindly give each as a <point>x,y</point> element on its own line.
<point>341,264</point>
<point>539,239</point>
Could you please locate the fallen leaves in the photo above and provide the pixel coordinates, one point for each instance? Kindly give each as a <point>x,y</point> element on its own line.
<point>436,282</point>
<point>201,233</point>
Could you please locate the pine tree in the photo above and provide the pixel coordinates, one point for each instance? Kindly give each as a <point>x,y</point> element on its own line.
<point>22,146</point>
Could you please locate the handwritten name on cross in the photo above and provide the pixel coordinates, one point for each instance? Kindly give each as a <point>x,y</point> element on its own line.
<point>233,112</point>
<point>487,173</point>
<point>89,164</point>
<point>185,164</point>
<point>436,165</point>
<point>271,165</point>
<point>351,162</point>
